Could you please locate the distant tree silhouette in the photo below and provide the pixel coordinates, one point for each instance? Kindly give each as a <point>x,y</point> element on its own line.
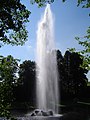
<point>72,77</point>
<point>27,82</point>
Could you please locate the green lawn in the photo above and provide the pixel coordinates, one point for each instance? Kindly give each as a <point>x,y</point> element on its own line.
<point>88,84</point>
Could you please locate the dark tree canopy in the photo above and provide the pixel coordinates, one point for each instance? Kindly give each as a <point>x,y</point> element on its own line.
<point>13,16</point>
<point>75,75</point>
<point>72,76</point>
<point>27,82</point>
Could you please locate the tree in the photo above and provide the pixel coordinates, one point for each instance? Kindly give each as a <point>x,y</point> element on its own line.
<point>13,16</point>
<point>60,65</point>
<point>85,3</point>
<point>41,3</point>
<point>8,78</point>
<point>72,77</point>
<point>75,79</point>
<point>61,74</point>
<point>27,80</point>
<point>85,52</point>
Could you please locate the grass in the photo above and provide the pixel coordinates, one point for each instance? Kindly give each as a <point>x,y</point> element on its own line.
<point>84,103</point>
<point>88,84</point>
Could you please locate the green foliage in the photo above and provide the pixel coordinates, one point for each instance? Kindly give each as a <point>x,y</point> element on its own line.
<point>41,2</point>
<point>85,52</point>
<point>88,84</point>
<point>4,106</point>
<point>73,78</point>
<point>27,83</point>
<point>8,70</point>
<point>26,71</point>
<point>85,3</point>
<point>13,16</point>
<point>75,75</point>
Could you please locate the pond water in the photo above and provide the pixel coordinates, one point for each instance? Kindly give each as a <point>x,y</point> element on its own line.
<point>66,117</point>
<point>36,118</point>
<point>39,118</point>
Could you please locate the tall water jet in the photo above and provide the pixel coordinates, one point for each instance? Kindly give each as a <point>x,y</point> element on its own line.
<point>47,75</point>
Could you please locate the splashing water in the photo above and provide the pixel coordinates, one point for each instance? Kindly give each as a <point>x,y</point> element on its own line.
<point>47,77</point>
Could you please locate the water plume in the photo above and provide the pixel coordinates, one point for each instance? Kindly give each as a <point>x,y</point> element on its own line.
<point>47,75</point>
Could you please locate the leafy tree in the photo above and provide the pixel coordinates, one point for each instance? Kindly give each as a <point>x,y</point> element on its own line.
<point>27,80</point>
<point>41,2</point>
<point>85,3</point>
<point>60,65</point>
<point>75,79</point>
<point>61,74</point>
<point>8,78</point>
<point>13,16</point>
<point>85,52</point>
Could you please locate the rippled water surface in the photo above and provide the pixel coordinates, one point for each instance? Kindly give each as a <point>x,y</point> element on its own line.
<point>35,118</point>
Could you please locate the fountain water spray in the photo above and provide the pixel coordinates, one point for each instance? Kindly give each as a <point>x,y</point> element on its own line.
<point>47,75</point>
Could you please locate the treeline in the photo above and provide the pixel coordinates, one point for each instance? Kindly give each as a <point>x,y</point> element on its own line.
<point>72,76</point>
<point>18,82</point>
